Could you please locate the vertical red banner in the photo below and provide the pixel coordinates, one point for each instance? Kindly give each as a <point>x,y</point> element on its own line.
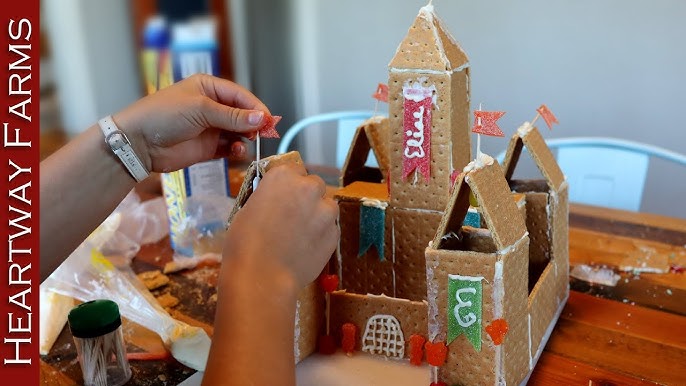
<point>19,271</point>
<point>417,130</point>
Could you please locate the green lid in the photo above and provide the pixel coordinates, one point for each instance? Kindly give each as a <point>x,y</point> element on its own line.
<point>94,318</point>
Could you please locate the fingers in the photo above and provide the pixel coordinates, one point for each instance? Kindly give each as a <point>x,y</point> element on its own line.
<point>231,118</point>
<point>229,93</point>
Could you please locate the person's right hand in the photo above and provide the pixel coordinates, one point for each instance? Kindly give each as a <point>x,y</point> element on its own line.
<point>286,226</point>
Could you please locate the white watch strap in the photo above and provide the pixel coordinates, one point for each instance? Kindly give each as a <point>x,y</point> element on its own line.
<point>120,145</point>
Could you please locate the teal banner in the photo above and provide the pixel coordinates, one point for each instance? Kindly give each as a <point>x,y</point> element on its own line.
<point>464,308</point>
<point>372,229</point>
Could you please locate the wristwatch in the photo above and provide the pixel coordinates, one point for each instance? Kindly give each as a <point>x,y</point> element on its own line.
<point>121,147</point>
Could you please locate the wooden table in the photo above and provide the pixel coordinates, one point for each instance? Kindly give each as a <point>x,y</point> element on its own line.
<point>632,333</point>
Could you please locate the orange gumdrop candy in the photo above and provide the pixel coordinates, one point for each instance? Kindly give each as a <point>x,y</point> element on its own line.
<point>436,353</point>
<point>349,332</point>
<point>497,330</point>
<point>416,349</point>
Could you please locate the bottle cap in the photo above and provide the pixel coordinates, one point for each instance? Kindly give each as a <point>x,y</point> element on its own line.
<point>94,318</point>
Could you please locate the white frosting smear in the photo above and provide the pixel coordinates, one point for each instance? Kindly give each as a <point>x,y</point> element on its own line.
<point>482,159</point>
<point>524,129</point>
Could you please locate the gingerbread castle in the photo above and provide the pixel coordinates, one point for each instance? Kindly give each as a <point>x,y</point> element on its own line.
<point>484,296</point>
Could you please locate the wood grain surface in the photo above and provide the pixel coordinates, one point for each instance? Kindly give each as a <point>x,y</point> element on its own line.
<point>629,334</point>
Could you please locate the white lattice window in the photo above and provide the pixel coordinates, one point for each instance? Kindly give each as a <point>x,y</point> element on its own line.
<point>384,336</point>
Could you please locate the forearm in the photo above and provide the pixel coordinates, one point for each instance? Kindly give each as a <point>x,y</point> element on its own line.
<point>80,185</point>
<point>253,330</point>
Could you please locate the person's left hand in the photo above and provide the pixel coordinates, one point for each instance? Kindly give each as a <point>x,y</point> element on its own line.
<point>197,119</point>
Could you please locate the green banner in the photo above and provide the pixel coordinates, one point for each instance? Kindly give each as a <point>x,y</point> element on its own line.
<point>464,308</point>
<point>372,229</point>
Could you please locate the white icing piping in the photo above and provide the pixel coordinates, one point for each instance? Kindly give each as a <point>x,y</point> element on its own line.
<point>373,202</point>
<point>513,246</point>
<point>393,253</point>
<point>413,90</point>
<point>524,129</point>
<point>296,346</point>
<point>481,160</point>
<point>545,338</point>
<point>531,362</point>
<point>465,278</point>
<point>498,296</point>
<point>434,328</point>
<point>429,72</point>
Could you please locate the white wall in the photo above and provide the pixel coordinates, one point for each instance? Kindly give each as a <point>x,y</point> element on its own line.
<point>94,57</point>
<point>606,67</point>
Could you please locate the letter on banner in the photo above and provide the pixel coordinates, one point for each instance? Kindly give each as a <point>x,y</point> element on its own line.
<point>464,308</point>
<point>417,130</point>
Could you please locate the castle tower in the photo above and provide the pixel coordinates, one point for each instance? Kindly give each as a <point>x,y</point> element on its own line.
<point>429,90</point>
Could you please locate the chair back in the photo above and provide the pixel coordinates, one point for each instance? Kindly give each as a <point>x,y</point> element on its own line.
<point>607,172</point>
<point>346,123</point>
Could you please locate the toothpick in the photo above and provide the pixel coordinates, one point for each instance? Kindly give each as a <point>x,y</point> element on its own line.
<point>435,373</point>
<point>376,106</point>
<point>257,178</point>
<point>478,137</point>
<point>535,118</point>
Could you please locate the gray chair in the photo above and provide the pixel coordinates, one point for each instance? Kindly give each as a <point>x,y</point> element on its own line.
<point>606,172</point>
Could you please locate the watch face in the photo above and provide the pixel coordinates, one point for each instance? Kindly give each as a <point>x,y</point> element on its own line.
<point>117,140</point>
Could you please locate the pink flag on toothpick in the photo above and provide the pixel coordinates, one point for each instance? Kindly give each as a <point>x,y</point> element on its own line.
<point>485,123</point>
<point>547,115</point>
<point>269,128</point>
<point>381,93</point>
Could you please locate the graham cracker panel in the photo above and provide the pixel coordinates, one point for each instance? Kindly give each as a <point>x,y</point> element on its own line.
<point>464,365</point>
<point>515,347</point>
<point>366,273</point>
<point>407,193</point>
<point>378,135</point>
<point>371,135</point>
<point>543,304</point>
<point>500,211</point>
<point>453,51</point>
<point>560,229</point>
<point>357,309</point>
<point>309,320</point>
<point>265,165</point>
<point>412,231</point>
<point>512,154</point>
<point>424,49</point>
<point>380,274</point>
<point>539,233</point>
<point>544,159</point>
<point>353,269</point>
<point>461,138</point>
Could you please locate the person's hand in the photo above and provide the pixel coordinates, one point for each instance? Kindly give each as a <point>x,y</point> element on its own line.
<point>287,225</point>
<point>197,119</point>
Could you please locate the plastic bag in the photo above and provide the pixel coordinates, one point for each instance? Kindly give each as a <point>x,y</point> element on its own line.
<point>87,275</point>
<point>132,223</point>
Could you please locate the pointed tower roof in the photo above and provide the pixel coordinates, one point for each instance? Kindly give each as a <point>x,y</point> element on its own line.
<point>428,46</point>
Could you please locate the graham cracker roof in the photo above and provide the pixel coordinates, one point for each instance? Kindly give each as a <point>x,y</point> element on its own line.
<point>540,153</point>
<point>371,135</point>
<point>500,211</point>
<point>428,46</point>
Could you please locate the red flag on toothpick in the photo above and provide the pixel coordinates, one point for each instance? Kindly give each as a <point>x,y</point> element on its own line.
<point>485,123</point>
<point>269,128</point>
<point>381,93</point>
<point>547,115</point>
